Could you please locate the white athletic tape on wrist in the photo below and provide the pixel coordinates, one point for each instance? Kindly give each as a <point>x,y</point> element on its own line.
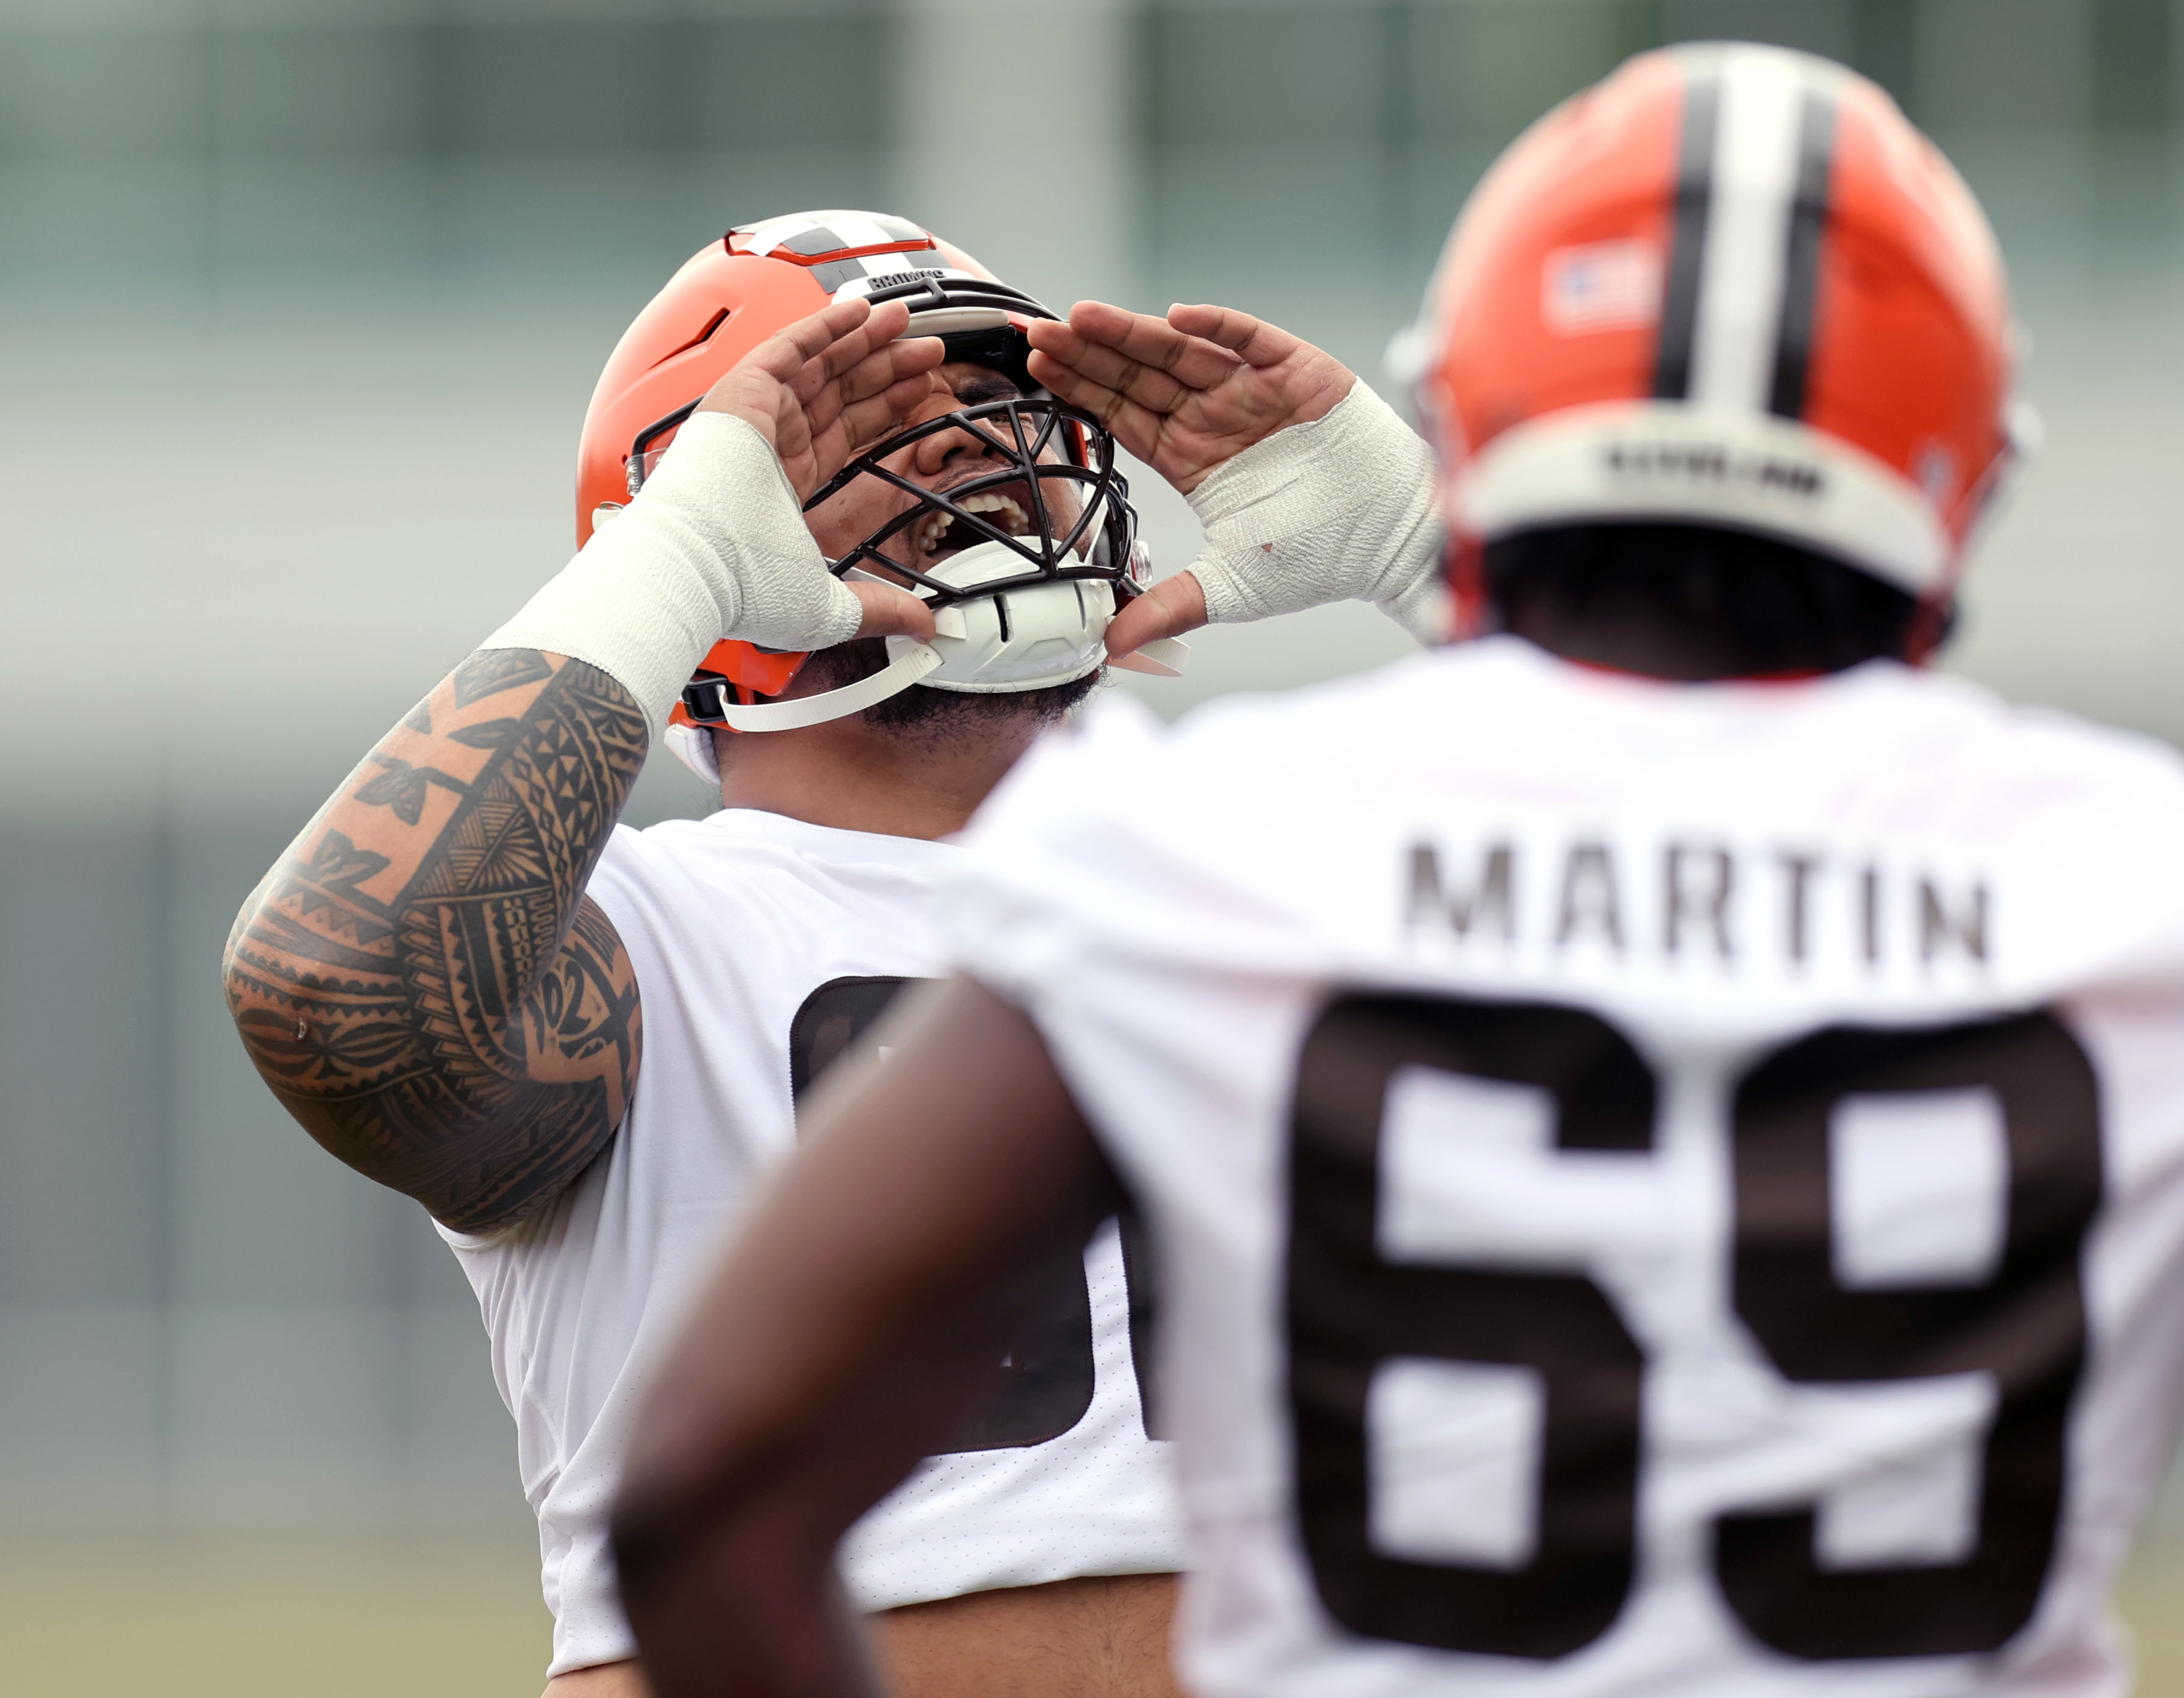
<point>714,545</point>
<point>1340,509</point>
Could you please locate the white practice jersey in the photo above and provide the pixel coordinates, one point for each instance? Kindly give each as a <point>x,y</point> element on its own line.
<point>1659,1189</point>
<point>763,948</point>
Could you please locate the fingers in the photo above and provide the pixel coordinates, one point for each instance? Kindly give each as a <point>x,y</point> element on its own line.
<point>811,353</point>
<point>861,422</point>
<point>1136,427</point>
<point>1303,382</point>
<point>879,373</point>
<point>840,335</point>
<point>1148,385</point>
<point>840,414</point>
<point>869,339</point>
<point>892,612</point>
<point>792,367</point>
<point>830,446</point>
<point>785,353</point>
<point>1097,320</point>
<point>1170,607</point>
<point>879,329</point>
<point>1254,340</point>
<point>1152,342</point>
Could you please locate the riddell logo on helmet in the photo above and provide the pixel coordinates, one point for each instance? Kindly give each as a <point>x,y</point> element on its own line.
<point>889,280</point>
<point>1716,464</point>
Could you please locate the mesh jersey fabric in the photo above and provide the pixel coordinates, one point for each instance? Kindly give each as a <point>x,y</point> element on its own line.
<point>1737,1244</point>
<point>731,923</point>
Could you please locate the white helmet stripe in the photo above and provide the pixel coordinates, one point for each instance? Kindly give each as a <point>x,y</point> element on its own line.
<point>1736,317</point>
<point>813,233</point>
<point>1687,241</point>
<point>1800,274</point>
<point>1755,185</point>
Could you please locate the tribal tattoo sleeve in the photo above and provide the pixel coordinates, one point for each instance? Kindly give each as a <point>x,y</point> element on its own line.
<point>421,980</point>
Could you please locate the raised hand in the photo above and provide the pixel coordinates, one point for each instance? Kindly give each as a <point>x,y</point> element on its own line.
<point>828,386</point>
<point>1351,513</point>
<point>1188,392</point>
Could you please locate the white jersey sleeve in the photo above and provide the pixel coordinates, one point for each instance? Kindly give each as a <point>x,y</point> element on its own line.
<point>763,949</point>
<point>1658,1187</point>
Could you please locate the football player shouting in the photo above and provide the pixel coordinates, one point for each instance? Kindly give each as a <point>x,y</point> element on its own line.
<point>1663,1125</point>
<point>841,550</point>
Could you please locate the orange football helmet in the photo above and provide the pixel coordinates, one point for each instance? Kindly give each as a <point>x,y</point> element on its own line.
<point>759,279</point>
<point>1730,285</point>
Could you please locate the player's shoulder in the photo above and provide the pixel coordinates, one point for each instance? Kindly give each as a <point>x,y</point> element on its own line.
<point>1277,745</point>
<point>1397,700</point>
<point>2042,764</point>
<point>676,866</point>
<point>1117,788</point>
<point>752,837</point>
<point>1486,716</point>
<point>746,861</point>
<point>1118,733</point>
<point>1500,700</point>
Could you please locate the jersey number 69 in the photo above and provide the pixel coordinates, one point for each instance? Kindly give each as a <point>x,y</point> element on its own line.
<point>1350,1309</point>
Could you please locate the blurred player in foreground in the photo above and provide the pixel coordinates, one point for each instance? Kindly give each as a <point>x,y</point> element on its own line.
<point>1663,1125</point>
<point>580,1047</point>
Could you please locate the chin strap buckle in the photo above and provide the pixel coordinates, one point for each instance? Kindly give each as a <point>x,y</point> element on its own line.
<point>1164,657</point>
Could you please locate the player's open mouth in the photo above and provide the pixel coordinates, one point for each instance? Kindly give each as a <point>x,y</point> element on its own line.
<point>937,535</point>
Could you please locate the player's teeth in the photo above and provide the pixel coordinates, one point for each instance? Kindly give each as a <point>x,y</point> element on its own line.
<point>930,531</point>
<point>992,501</point>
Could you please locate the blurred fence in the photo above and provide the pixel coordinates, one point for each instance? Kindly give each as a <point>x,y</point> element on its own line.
<point>299,303</point>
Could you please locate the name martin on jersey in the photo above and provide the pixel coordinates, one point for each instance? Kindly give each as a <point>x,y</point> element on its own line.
<point>1696,899</point>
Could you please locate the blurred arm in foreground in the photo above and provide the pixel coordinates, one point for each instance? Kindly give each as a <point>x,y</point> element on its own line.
<point>420,979</point>
<point>1310,491</point>
<point>840,1339</point>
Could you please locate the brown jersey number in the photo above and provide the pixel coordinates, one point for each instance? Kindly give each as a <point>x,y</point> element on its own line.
<point>1048,1376</point>
<point>1350,1310</point>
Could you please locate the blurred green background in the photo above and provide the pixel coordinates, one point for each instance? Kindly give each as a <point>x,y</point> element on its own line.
<point>300,303</point>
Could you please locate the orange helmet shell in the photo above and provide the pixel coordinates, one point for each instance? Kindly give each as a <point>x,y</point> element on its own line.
<point>716,309</point>
<point>1730,285</point>
<point>726,299</point>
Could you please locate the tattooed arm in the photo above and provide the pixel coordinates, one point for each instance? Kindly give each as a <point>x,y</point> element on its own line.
<point>422,981</point>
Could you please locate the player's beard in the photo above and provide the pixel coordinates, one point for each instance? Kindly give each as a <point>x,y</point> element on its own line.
<point>935,717</point>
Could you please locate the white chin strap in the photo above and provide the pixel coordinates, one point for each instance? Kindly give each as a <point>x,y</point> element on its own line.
<point>904,668</point>
<point>1031,639</point>
<point>1164,657</point>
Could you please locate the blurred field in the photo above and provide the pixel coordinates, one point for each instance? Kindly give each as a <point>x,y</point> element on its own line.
<point>300,301</point>
<point>264,1619</point>
<point>2154,1603</point>
<point>429,1621</point>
